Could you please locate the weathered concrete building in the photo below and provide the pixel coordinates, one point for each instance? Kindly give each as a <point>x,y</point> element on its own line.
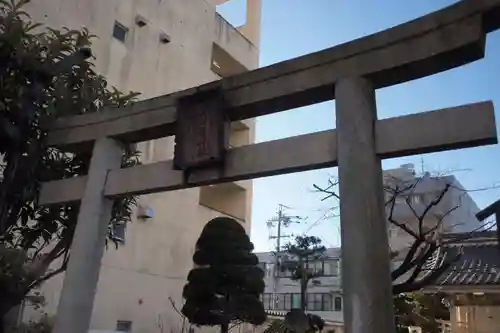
<point>441,202</point>
<point>156,47</point>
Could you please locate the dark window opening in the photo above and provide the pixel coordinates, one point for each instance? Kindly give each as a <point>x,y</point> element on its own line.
<point>288,301</point>
<point>338,303</point>
<point>328,267</point>
<point>124,326</point>
<point>120,32</point>
<point>118,231</point>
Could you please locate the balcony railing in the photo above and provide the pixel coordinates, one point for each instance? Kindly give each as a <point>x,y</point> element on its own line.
<point>235,43</point>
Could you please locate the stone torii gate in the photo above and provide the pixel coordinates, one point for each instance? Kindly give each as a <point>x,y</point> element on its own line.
<point>199,118</point>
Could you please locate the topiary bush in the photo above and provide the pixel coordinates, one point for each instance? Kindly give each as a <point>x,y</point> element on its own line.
<point>226,283</point>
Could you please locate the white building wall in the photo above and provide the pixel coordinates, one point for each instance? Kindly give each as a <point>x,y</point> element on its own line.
<point>137,280</point>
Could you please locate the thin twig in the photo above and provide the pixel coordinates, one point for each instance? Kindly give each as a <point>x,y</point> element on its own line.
<point>441,219</point>
<point>175,307</point>
<point>433,203</point>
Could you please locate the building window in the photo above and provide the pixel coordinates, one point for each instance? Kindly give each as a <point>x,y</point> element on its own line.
<point>338,303</point>
<point>314,302</point>
<point>331,267</point>
<point>116,232</point>
<point>315,266</point>
<point>120,32</point>
<point>319,302</point>
<point>266,301</point>
<point>295,301</point>
<point>267,268</point>
<point>283,302</point>
<point>328,267</point>
<point>287,301</point>
<point>283,272</point>
<point>269,271</point>
<point>327,302</point>
<point>280,302</point>
<point>124,326</point>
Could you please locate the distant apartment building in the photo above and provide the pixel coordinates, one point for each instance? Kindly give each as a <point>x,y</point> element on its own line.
<point>157,47</point>
<point>416,194</point>
<point>324,294</point>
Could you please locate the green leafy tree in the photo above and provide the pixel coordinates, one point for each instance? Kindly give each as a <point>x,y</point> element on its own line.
<point>43,325</point>
<point>422,310</point>
<point>44,74</point>
<point>225,285</point>
<point>299,259</point>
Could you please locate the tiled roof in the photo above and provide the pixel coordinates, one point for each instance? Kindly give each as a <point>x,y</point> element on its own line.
<point>479,263</point>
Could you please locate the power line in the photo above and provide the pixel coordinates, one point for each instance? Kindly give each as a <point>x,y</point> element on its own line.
<point>325,216</point>
<point>281,219</point>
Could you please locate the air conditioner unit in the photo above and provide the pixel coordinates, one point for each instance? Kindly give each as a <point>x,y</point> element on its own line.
<point>145,212</point>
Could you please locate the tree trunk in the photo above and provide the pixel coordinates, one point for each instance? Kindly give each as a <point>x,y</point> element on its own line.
<point>224,328</point>
<point>2,327</point>
<point>303,294</point>
<point>8,301</point>
<point>8,304</point>
<point>4,310</point>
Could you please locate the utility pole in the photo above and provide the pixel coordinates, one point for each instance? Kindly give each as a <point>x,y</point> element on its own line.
<point>280,220</point>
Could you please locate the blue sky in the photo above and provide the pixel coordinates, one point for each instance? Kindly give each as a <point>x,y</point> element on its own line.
<point>291,28</point>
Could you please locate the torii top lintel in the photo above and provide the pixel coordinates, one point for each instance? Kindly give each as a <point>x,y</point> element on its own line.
<point>442,40</point>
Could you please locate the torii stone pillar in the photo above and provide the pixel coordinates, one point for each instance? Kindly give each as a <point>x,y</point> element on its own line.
<point>366,277</point>
<point>77,296</point>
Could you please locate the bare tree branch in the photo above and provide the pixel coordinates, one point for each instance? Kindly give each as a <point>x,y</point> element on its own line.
<point>426,240</point>
<point>51,274</point>
<point>408,286</point>
<point>441,219</point>
<point>433,203</point>
<point>403,226</point>
<point>407,263</point>
<point>465,236</point>
<point>172,302</point>
<point>328,190</point>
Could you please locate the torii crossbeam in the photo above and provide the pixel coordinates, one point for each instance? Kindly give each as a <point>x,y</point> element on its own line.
<point>348,73</point>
